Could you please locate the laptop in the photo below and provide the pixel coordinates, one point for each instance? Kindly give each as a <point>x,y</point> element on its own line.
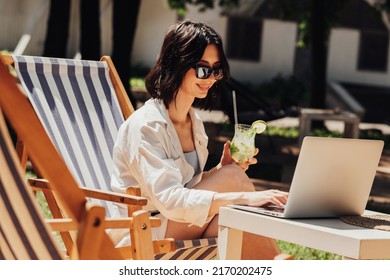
<point>332,178</point>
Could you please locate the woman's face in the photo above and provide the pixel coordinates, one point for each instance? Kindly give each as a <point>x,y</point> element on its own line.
<point>195,87</point>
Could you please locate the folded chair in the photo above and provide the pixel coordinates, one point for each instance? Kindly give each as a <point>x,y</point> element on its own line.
<point>22,232</point>
<point>81,105</point>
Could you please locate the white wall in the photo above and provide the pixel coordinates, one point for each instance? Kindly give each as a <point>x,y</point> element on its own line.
<point>343,59</point>
<point>277,54</point>
<point>18,17</point>
<point>153,21</point>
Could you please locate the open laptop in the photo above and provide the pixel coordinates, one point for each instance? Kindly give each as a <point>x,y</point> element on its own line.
<point>333,177</point>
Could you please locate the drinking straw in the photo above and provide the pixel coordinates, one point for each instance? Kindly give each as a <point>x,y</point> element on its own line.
<point>235,107</point>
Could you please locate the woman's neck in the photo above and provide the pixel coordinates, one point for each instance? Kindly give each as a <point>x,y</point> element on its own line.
<point>179,111</point>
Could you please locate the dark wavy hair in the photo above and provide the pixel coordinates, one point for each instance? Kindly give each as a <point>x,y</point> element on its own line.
<point>183,47</point>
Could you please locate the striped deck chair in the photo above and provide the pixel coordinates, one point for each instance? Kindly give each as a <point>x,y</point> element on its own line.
<point>22,233</point>
<point>81,104</point>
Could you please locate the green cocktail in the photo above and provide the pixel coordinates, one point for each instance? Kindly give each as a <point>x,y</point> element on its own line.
<point>242,146</point>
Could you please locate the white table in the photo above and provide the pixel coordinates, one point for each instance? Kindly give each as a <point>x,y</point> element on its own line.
<point>330,234</point>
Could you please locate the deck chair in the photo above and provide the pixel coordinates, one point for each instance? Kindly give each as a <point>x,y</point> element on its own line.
<point>81,105</point>
<point>22,232</point>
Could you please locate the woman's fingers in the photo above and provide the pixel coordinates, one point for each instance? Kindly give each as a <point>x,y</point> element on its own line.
<point>279,198</point>
<point>273,196</point>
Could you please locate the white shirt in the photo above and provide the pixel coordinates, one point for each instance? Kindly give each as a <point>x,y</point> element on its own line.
<point>148,153</point>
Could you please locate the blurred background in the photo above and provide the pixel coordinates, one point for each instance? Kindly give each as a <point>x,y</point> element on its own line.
<point>284,56</point>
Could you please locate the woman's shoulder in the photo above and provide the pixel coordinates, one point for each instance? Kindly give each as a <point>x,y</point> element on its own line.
<point>149,114</point>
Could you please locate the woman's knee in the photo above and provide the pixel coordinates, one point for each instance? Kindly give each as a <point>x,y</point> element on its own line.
<point>237,179</point>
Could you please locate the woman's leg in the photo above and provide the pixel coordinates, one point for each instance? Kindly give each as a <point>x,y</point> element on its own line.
<point>230,178</point>
<point>227,179</point>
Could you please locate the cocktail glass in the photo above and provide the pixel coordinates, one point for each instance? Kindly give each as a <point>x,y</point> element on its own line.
<point>242,146</point>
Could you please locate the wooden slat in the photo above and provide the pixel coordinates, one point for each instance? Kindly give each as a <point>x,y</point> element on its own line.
<point>141,236</point>
<point>91,232</point>
<point>124,101</point>
<point>38,183</point>
<point>65,224</point>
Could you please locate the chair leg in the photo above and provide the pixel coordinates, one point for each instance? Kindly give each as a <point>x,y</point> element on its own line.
<point>141,236</point>
<point>90,233</point>
<point>56,212</point>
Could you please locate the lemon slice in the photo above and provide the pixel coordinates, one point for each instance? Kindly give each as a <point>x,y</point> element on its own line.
<point>259,126</point>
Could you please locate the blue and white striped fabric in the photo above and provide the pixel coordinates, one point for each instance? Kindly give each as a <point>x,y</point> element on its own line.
<point>76,102</point>
<point>196,249</point>
<point>23,232</point>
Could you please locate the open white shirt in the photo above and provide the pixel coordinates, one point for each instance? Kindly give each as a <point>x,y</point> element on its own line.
<point>148,153</point>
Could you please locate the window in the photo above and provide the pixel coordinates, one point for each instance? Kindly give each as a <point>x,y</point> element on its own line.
<point>244,38</point>
<point>373,51</point>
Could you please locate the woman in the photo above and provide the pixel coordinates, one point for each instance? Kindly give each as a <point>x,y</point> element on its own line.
<point>162,147</point>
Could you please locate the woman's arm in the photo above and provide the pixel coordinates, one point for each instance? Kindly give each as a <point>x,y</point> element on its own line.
<point>258,198</point>
<point>233,186</point>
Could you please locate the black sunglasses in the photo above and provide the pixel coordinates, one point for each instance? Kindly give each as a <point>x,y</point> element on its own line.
<point>203,72</point>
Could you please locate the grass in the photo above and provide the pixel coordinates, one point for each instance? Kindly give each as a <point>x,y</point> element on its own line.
<point>305,253</point>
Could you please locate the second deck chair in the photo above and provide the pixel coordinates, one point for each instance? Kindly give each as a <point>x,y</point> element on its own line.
<point>81,104</point>
<point>23,232</point>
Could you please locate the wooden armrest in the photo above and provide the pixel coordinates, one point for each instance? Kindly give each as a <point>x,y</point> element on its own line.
<point>43,184</point>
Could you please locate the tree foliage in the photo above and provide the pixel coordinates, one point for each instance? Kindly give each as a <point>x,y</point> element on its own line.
<point>203,5</point>
<point>301,12</point>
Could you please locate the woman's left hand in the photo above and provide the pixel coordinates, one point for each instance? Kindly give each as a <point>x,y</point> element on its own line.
<point>227,158</point>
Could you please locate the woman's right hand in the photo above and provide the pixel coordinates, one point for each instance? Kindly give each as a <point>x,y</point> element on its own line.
<point>226,158</point>
<point>261,198</point>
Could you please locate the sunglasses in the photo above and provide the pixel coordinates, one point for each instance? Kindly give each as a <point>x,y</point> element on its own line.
<point>203,72</point>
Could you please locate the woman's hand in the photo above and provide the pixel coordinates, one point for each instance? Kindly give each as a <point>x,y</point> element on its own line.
<point>227,158</point>
<point>261,198</point>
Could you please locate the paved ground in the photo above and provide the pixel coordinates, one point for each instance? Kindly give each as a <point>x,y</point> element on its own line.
<point>278,157</point>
